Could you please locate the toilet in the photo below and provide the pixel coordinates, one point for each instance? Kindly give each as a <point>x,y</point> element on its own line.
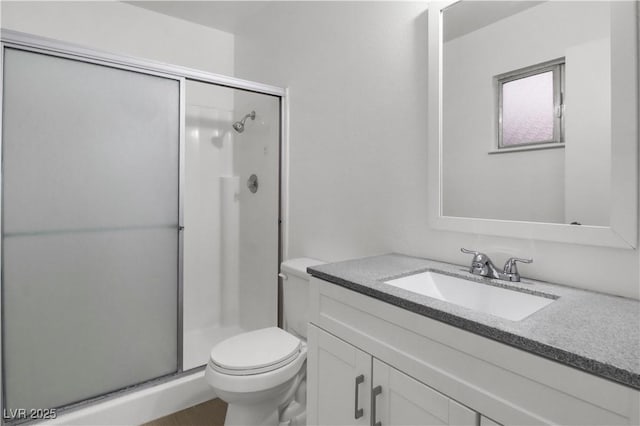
<point>261,374</point>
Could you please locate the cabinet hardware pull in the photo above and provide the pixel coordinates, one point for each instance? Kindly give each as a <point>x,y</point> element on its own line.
<point>375,392</point>
<point>359,412</point>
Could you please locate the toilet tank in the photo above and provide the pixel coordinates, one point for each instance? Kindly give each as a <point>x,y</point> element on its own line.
<point>295,294</point>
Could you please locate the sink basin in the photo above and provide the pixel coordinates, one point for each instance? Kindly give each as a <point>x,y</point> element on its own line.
<point>501,302</point>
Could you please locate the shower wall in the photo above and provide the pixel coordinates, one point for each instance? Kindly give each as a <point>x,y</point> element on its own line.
<point>257,152</point>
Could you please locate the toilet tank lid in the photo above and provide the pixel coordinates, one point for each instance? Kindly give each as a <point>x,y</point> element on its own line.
<point>299,265</point>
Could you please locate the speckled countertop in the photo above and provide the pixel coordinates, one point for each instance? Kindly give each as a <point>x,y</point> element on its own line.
<point>594,332</point>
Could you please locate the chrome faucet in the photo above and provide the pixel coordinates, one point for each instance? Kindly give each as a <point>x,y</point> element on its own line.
<point>483,266</point>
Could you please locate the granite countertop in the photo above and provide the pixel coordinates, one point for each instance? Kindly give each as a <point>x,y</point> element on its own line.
<point>594,332</point>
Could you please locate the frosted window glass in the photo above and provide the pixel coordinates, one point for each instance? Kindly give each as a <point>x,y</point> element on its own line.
<point>90,240</point>
<point>528,110</point>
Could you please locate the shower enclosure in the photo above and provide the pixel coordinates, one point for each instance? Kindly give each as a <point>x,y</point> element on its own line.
<point>139,225</point>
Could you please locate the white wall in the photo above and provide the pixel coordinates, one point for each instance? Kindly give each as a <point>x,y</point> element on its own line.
<point>529,183</point>
<point>121,28</point>
<point>357,74</point>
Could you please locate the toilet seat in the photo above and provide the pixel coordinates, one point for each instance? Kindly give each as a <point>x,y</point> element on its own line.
<point>252,371</point>
<point>255,361</point>
<point>255,352</point>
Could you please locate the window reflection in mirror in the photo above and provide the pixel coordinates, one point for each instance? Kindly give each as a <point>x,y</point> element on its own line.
<point>530,110</point>
<point>520,77</point>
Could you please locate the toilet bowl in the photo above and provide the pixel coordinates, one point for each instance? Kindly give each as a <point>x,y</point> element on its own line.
<point>261,374</point>
<point>256,373</point>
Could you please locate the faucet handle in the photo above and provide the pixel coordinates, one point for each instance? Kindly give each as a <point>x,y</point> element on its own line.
<point>473,252</point>
<point>479,263</point>
<point>478,257</point>
<point>510,266</point>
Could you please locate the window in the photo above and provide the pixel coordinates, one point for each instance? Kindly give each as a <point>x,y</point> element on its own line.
<point>530,106</point>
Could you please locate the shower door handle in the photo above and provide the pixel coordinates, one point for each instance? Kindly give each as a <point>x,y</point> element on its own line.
<point>359,412</point>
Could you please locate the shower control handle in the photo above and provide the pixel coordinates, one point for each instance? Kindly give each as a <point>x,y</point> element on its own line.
<point>252,183</point>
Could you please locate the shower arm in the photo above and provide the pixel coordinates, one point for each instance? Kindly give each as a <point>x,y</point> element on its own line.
<point>251,115</point>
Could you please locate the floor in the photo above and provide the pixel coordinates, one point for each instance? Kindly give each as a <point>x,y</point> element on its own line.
<point>210,413</point>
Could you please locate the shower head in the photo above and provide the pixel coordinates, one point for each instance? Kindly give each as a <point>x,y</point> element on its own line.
<point>238,126</point>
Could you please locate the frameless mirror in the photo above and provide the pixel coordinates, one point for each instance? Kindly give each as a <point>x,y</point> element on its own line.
<point>536,118</point>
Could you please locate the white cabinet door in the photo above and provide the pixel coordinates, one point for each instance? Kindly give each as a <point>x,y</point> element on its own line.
<point>401,400</point>
<point>339,382</point>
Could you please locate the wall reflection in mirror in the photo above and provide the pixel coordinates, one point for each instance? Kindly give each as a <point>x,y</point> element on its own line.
<point>526,104</point>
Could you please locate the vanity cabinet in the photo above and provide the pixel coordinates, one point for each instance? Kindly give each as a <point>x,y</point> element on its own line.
<point>431,372</point>
<point>348,386</point>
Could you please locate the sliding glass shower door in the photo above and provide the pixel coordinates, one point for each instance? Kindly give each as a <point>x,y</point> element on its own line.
<point>90,228</point>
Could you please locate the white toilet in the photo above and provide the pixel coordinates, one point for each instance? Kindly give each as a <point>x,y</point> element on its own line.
<point>261,374</point>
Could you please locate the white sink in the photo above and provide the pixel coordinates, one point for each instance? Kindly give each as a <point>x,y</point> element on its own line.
<point>509,304</point>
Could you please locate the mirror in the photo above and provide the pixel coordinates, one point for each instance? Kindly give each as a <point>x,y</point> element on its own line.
<point>535,125</point>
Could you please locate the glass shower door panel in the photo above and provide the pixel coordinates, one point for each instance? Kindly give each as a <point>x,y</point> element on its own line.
<point>90,229</point>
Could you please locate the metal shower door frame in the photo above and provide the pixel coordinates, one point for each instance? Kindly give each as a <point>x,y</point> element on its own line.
<point>47,46</point>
